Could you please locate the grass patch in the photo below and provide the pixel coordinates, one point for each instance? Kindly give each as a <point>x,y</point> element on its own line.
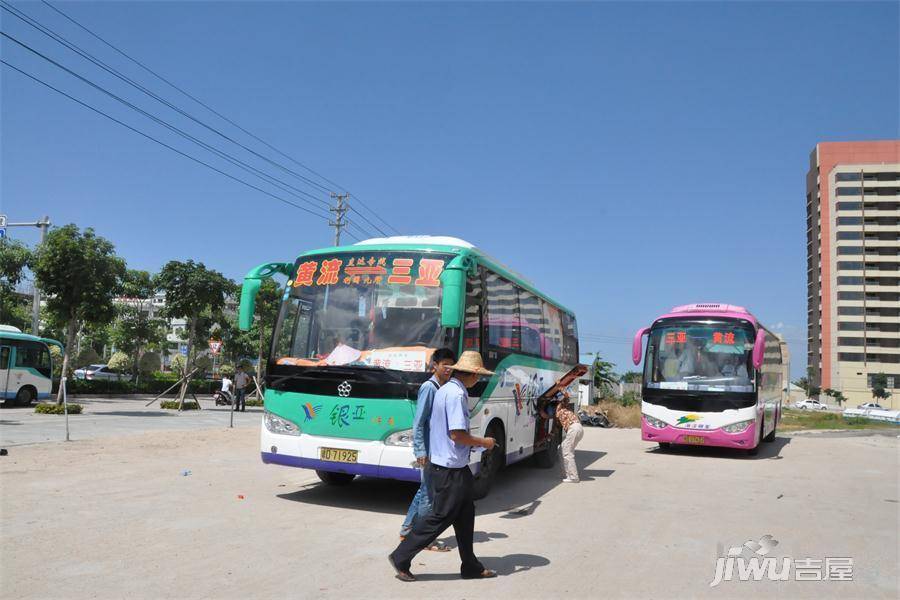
<point>50,408</point>
<point>253,403</point>
<point>173,405</point>
<point>627,417</point>
<point>794,420</point>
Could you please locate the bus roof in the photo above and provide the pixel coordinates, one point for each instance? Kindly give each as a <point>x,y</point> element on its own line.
<point>439,243</point>
<point>26,337</point>
<point>710,309</point>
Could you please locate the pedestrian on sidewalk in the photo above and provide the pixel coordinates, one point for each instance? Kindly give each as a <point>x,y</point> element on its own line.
<point>241,379</point>
<point>441,361</point>
<point>561,409</point>
<point>451,479</point>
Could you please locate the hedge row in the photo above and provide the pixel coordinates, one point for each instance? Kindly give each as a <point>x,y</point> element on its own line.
<point>145,386</point>
<point>173,405</point>
<point>48,408</point>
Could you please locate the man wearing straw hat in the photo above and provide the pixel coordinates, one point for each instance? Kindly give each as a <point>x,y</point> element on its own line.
<point>451,479</point>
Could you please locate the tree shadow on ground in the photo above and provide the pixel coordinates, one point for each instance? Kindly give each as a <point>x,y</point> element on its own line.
<point>767,450</point>
<point>516,491</point>
<point>504,565</point>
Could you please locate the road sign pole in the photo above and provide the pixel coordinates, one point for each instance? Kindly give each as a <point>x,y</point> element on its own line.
<point>36,302</point>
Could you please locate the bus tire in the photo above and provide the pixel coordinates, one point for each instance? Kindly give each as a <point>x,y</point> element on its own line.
<point>332,478</point>
<point>771,436</point>
<point>25,396</point>
<point>491,461</point>
<point>665,445</point>
<point>548,457</point>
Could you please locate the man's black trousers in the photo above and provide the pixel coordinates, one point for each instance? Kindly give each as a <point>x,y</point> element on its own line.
<point>453,505</point>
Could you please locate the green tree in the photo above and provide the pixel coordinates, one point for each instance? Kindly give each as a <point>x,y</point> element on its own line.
<point>192,290</point>
<point>134,330</point>
<point>813,391</point>
<point>268,303</point>
<point>633,377</point>
<point>149,363</point>
<point>605,377</point>
<point>803,384</point>
<point>15,257</point>
<point>879,387</point>
<point>80,274</point>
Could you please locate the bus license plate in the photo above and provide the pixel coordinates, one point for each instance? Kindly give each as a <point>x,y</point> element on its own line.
<point>694,439</point>
<point>338,455</point>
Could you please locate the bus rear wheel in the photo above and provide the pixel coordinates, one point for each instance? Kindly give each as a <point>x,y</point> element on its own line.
<point>335,478</point>
<point>548,457</point>
<point>25,397</point>
<point>491,463</point>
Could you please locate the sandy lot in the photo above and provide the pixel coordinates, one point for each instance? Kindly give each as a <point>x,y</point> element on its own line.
<point>115,518</point>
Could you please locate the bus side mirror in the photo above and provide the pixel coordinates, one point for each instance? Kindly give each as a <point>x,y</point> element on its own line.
<point>637,345</point>
<point>453,284</point>
<point>252,282</point>
<point>759,348</point>
<point>248,303</point>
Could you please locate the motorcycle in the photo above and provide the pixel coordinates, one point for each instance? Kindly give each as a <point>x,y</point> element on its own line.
<point>223,398</point>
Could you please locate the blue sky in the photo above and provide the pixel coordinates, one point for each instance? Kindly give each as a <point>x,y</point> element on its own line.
<point>626,157</point>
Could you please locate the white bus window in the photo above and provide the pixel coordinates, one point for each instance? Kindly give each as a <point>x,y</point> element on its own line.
<point>531,321</point>
<point>552,331</point>
<point>472,319</point>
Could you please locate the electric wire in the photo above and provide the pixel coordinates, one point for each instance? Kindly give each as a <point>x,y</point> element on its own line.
<point>220,115</point>
<point>86,55</point>
<point>230,158</point>
<point>161,143</point>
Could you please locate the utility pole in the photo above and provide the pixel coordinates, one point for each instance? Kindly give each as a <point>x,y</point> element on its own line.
<point>339,211</point>
<point>43,225</point>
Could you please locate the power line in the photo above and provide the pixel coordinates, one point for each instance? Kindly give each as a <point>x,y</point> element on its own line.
<point>217,113</point>
<point>84,54</point>
<point>230,158</point>
<point>161,143</point>
<point>363,217</point>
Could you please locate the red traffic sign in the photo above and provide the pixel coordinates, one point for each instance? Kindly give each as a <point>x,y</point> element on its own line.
<point>215,346</point>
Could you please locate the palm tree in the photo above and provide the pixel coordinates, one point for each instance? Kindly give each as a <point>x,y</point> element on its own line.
<point>605,377</point>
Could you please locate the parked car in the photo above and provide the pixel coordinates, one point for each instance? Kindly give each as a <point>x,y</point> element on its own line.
<point>94,372</point>
<point>871,405</point>
<point>810,404</point>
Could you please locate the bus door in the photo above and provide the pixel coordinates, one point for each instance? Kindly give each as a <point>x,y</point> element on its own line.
<point>5,356</point>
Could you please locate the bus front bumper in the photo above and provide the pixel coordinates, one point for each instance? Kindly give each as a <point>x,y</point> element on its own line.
<point>374,458</point>
<point>715,437</point>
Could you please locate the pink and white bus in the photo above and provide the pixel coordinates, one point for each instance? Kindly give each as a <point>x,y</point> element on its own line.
<point>713,375</point>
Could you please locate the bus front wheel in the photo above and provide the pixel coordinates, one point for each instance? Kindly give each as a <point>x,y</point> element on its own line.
<point>491,462</point>
<point>335,478</point>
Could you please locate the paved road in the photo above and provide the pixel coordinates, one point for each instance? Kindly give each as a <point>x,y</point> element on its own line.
<point>114,517</point>
<point>105,417</point>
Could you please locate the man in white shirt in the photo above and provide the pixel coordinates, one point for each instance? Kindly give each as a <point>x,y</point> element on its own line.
<point>241,380</point>
<point>448,464</point>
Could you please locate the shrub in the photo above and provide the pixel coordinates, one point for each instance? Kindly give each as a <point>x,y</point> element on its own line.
<point>148,364</point>
<point>88,356</point>
<point>227,370</point>
<point>622,416</point>
<point>48,408</point>
<point>173,405</point>
<point>120,363</point>
<point>254,403</point>
<point>629,399</point>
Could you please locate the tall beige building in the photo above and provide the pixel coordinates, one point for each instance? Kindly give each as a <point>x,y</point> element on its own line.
<point>853,268</point>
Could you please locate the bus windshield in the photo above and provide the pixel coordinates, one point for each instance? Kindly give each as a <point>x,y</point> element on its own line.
<point>708,356</point>
<point>372,309</point>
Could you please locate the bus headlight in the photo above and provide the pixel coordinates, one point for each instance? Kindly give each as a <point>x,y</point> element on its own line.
<point>400,438</point>
<point>276,424</point>
<point>738,427</point>
<point>655,422</point>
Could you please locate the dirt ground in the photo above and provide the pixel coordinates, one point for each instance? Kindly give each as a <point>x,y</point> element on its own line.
<point>119,518</point>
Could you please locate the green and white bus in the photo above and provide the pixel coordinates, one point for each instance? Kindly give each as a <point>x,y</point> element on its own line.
<point>26,367</point>
<point>353,341</point>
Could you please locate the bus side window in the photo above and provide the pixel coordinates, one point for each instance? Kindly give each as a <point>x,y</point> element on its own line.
<point>570,339</point>
<point>472,318</point>
<point>4,357</point>
<point>501,320</point>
